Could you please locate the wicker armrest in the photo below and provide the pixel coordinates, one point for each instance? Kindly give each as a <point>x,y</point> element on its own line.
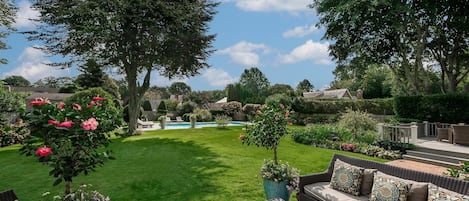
<point>313,178</point>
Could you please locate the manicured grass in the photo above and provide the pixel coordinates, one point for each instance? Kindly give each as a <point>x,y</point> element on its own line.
<point>192,164</point>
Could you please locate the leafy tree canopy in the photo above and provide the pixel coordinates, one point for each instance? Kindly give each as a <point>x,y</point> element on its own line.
<point>7,18</point>
<point>304,86</point>
<point>179,88</point>
<point>17,81</point>
<point>254,81</point>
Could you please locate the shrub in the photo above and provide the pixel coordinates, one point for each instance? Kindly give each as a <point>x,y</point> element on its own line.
<point>231,107</point>
<point>313,106</point>
<point>83,193</point>
<point>222,120</point>
<point>146,105</point>
<point>203,114</point>
<point>12,134</point>
<point>186,108</point>
<point>250,109</point>
<point>318,134</point>
<point>357,122</point>
<point>171,105</point>
<point>162,108</point>
<point>279,98</point>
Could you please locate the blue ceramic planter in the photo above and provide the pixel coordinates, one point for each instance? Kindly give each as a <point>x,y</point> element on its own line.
<point>276,190</point>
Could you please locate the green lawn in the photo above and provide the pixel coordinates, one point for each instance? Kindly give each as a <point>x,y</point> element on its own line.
<point>192,164</point>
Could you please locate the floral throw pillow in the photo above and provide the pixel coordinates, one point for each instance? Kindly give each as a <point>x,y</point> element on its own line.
<point>388,189</point>
<point>436,193</point>
<point>346,178</point>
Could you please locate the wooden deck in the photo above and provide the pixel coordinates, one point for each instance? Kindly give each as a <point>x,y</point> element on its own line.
<point>432,143</point>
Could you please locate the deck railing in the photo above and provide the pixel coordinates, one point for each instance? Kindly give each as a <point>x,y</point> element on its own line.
<point>408,133</point>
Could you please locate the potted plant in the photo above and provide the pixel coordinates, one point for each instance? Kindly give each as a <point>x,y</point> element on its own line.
<point>267,128</point>
<point>192,118</point>
<point>162,120</point>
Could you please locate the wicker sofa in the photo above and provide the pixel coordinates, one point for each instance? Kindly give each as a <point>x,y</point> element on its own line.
<point>306,181</point>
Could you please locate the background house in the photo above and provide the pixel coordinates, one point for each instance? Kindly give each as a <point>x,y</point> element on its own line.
<point>329,94</point>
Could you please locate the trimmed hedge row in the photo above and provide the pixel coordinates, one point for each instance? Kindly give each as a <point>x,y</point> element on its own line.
<point>448,108</point>
<point>373,106</point>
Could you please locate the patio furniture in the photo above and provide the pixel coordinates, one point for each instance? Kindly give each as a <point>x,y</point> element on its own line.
<point>461,134</point>
<point>168,119</point>
<point>8,195</point>
<point>444,134</point>
<point>145,124</point>
<point>179,119</point>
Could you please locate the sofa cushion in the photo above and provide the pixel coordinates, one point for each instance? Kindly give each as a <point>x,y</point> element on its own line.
<point>418,190</point>
<point>367,182</point>
<point>346,178</point>
<point>386,188</point>
<point>436,193</point>
<point>323,191</point>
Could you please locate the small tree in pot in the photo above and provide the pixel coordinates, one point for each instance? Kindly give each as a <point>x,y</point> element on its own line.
<point>268,126</point>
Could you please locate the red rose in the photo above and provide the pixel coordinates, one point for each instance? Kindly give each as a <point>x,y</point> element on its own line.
<point>39,102</point>
<point>97,98</point>
<point>66,124</point>
<point>43,151</point>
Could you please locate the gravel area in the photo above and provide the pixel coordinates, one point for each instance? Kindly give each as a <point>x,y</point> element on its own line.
<point>419,166</point>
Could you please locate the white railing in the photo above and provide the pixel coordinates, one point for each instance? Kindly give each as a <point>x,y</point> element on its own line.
<point>398,133</point>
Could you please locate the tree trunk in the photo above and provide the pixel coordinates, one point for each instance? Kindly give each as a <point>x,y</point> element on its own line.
<point>275,155</point>
<point>136,94</point>
<point>68,187</point>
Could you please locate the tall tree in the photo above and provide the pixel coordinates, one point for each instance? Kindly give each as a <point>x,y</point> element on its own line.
<point>304,86</point>
<point>255,82</point>
<point>395,33</point>
<point>7,18</point>
<point>17,80</point>
<point>179,88</point>
<point>280,89</point>
<point>136,37</point>
<point>92,75</point>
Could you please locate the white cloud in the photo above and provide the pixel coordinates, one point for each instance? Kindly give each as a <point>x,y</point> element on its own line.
<point>24,14</point>
<point>245,53</point>
<point>274,5</point>
<point>33,66</point>
<point>300,31</point>
<point>218,77</point>
<point>162,81</point>
<point>316,52</point>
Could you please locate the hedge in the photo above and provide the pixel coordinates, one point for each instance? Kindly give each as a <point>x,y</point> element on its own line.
<point>313,106</point>
<point>447,108</point>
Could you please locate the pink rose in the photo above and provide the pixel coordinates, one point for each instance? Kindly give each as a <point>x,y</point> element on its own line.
<point>66,124</point>
<point>39,102</point>
<point>76,106</point>
<point>287,114</point>
<point>97,98</point>
<point>242,137</point>
<point>282,106</point>
<point>60,106</point>
<point>43,151</point>
<point>90,124</point>
<point>53,122</point>
<point>91,104</point>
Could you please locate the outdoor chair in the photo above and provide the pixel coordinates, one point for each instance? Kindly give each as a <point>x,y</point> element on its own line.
<point>144,124</point>
<point>8,195</point>
<point>444,134</point>
<point>179,119</point>
<point>461,134</point>
<point>168,119</point>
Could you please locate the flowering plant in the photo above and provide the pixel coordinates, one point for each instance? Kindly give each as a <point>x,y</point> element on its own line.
<point>268,126</point>
<point>69,136</point>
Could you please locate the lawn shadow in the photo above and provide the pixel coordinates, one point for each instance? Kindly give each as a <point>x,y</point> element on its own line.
<point>161,169</point>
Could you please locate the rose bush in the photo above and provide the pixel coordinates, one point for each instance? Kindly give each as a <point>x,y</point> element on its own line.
<point>70,137</point>
<point>268,126</point>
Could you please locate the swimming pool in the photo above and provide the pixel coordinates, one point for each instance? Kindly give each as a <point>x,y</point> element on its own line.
<point>182,125</point>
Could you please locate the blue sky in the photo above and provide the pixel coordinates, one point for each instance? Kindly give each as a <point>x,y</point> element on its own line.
<point>277,36</point>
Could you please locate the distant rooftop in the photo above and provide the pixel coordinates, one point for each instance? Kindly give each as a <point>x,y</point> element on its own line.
<point>329,94</point>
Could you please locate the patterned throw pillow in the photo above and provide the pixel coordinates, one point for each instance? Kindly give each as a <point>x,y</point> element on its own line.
<point>436,193</point>
<point>388,189</point>
<point>346,178</point>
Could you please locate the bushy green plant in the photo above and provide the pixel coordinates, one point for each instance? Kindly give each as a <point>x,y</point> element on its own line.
<point>146,105</point>
<point>279,98</point>
<point>461,172</point>
<point>186,107</point>
<point>12,134</point>
<point>203,114</point>
<point>171,105</point>
<point>222,120</point>
<point>357,122</point>
<point>162,108</point>
<point>231,107</point>
<point>319,134</point>
<point>250,109</point>
<point>71,137</point>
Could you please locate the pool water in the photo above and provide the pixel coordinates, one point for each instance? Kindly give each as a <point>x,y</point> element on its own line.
<point>182,125</point>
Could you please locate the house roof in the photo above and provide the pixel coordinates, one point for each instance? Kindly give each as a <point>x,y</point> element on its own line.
<point>50,96</point>
<point>329,94</point>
